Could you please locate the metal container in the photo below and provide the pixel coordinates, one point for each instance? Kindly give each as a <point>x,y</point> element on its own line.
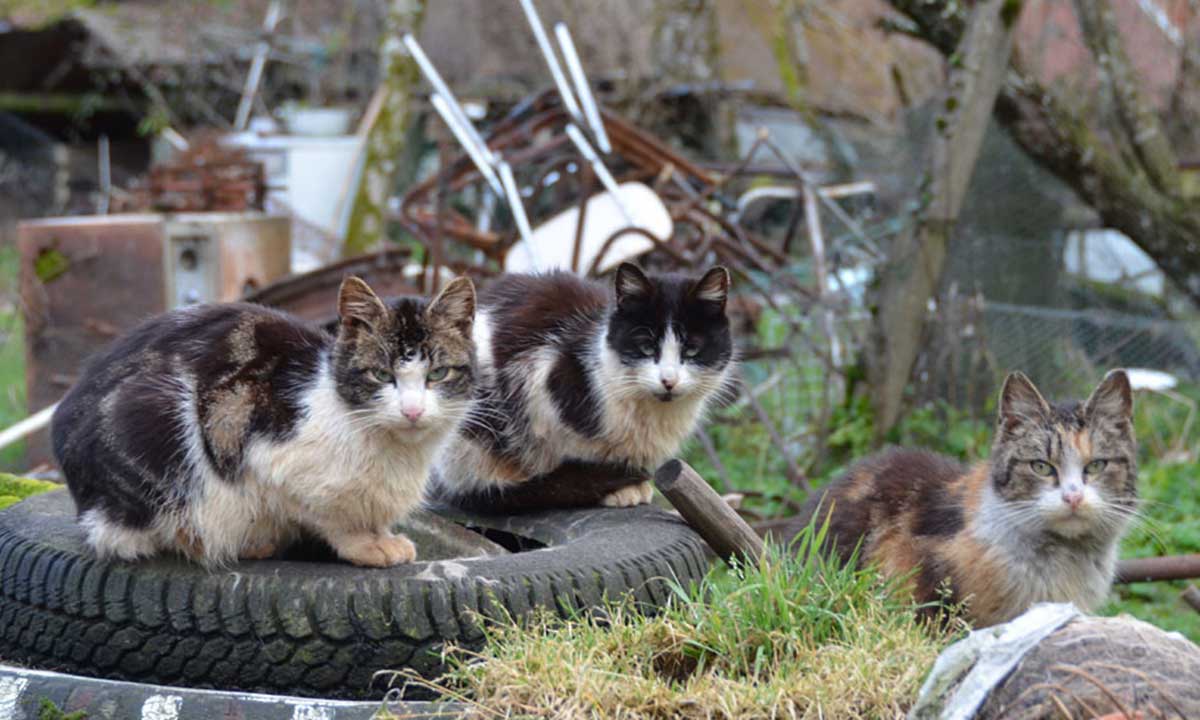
<point>86,280</point>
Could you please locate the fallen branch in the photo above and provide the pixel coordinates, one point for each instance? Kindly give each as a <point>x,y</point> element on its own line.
<point>1191,596</point>
<point>721,527</point>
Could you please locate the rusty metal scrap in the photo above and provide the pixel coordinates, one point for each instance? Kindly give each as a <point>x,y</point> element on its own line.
<point>207,177</point>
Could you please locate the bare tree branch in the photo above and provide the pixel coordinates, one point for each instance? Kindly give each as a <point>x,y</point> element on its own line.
<point>1142,128</point>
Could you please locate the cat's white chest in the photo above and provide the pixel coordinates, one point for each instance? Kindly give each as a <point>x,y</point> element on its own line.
<point>333,464</point>
<point>1059,577</point>
<point>649,432</point>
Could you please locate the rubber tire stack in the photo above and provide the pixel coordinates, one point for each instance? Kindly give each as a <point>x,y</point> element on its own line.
<point>310,628</point>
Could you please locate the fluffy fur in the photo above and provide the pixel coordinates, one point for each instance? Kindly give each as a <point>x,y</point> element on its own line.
<point>574,371</point>
<point>1039,521</point>
<point>222,431</point>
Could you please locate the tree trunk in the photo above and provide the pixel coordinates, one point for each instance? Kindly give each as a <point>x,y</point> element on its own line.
<point>1130,198</point>
<point>385,138</point>
<point>916,258</point>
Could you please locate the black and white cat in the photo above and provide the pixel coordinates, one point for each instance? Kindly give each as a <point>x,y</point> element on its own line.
<point>574,371</point>
<point>220,431</point>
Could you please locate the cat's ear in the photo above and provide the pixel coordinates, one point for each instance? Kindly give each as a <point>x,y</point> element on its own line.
<point>713,287</point>
<point>1112,398</point>
<point>357,302</point>
<point>632,284</point>
<point>1021,402</point>
<point>454,306</point>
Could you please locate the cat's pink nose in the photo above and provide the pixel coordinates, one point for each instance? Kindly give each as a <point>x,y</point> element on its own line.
<point>413,414</point>
<point>1074,498</point>
<point>669,382</point>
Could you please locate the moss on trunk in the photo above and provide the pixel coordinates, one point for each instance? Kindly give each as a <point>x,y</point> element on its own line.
<point>386,137</point>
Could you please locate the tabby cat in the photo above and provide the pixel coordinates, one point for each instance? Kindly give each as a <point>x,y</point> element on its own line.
<point>588,384</point>
<point>222,431</point>
<point>1039,521</point>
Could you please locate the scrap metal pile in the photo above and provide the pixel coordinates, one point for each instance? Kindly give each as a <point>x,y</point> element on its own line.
<point>556,177</point>
<point>562,184</point>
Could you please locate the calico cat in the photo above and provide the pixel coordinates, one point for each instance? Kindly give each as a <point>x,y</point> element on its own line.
<point>580,379</point>
<point>1039,521</point>
<point>221,431</point>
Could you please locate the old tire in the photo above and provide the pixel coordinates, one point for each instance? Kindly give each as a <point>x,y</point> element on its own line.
<point>310,628</point>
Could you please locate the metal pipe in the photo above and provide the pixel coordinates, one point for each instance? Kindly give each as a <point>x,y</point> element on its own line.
<point>591,112</point>
<point>105,176</point>
<point>28,426</point>
<point>517,207</point>
<point>1154,569</point>
<point>605,177</point>
<point>560,80</point>
<point>441,88</point>
<point>460,133</point>
<point>254,77</point>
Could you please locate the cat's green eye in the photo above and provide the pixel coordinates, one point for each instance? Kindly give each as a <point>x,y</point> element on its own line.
<point>647,349</point>
<point>1042,468</point>
<point>1095,467</point>
<point>438,374</point>
<point>691,351</point>
<point>383,376</point>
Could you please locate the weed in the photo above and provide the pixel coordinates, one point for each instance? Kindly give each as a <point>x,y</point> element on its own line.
<point>47,710</point>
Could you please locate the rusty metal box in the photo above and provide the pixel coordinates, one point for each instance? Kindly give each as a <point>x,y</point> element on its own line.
<point>85,280</point>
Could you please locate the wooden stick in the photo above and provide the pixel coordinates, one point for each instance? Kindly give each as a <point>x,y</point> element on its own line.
<point>1191,596</point>
<point>723,529</point>
<point>1174,567</point>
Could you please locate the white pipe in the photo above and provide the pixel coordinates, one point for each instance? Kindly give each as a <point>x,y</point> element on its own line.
<point>560,80</point>
<point>518,208</point>
<point>606,178</point>
<point>27,427</point>
<point>177,141</point>
<point>590,112</point>
<point>441,88</point>
<point>443,109</point>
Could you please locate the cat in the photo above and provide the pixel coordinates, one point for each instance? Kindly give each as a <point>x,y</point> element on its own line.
<point>223,431</point>
<point>1040,521</point>
<point>587,386</point>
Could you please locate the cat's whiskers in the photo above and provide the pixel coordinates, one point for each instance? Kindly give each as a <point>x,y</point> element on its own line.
<point>1114,516</point>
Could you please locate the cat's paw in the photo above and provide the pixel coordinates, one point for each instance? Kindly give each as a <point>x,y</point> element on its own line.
<point>378,550</point>
<point>258,552</point>
<point>629,495</point>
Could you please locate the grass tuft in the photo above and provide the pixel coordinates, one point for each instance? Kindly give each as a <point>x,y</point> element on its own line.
<point>794,635</point>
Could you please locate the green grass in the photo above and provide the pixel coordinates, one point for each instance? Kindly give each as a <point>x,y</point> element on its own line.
<point>794,635</point>
<point>47,710</point>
